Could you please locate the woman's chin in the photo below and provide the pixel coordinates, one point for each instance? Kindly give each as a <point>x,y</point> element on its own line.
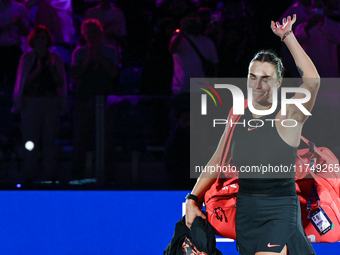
<point>257,98</point>
<point>261,101</point>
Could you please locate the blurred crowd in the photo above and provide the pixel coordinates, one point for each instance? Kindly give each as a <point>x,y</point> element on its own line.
<point>50,49</point>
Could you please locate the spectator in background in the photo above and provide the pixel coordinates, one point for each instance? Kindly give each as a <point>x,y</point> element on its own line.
<point>87,4</point>
<point>234,49</point>
<point>94,67</point>
<point>56,15</point>
<point>140,23</point>
<point>112,20</point>
<point>177,150</point>
<point>320,37</point>
<point>214,29</point>
<point>204,13</point>
<point>187,62</point>
<point>330,8</point>
<point>13,26</point>
<point>302,9</point>
<point>158,68</point>
<point>176,9</point>
<point>211,4</point>
<point>40,95</point>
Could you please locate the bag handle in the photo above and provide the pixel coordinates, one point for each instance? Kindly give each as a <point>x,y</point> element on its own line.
<point>309,143</point>
<point>229,135</point>
<point>313,192</point>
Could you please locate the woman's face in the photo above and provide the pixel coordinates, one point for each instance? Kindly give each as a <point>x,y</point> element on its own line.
<point>262,78</point>
<point>40,40</point>
<point>92,33</point>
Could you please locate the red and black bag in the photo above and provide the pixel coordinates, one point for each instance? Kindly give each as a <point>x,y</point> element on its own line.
<point>220,199</point>
<point>324,177</point>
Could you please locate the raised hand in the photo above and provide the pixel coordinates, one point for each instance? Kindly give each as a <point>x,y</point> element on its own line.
<point>286,26</point>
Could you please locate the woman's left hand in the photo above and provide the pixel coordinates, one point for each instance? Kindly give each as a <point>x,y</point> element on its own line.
<point>281,29</point>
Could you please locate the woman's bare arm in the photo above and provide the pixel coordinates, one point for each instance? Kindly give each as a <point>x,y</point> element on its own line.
<point>307,70</point>
<point>204,182</point>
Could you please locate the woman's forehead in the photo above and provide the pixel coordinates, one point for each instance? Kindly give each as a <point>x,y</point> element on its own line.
<point>41,34</point>
<point>92,27</point>
<point>258,68</point>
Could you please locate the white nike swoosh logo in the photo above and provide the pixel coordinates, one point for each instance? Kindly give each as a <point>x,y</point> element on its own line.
<point>273,245</point>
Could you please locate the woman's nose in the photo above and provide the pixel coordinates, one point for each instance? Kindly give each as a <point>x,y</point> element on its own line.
<point>258,84</point>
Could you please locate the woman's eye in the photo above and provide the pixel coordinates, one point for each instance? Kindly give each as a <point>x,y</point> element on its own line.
<point>253,78</point>
<point>265,80</point>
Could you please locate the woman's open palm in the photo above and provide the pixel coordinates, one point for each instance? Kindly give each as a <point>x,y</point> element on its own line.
<point>281,29</point>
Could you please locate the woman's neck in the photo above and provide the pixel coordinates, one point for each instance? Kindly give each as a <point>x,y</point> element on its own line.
<point>41,52</point>
<point>261,107</point>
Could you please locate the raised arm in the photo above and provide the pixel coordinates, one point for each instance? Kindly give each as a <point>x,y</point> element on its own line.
<point>305,66</point>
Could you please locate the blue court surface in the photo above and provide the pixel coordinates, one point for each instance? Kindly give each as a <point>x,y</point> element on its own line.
<point>96,223</point>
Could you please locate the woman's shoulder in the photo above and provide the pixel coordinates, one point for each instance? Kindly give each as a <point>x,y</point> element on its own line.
<point>79,52</point>
<point>81,49</point>
<point>28,55</point>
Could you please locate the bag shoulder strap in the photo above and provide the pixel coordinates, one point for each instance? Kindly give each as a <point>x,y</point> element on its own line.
<point>193,45</point>
<point>230,131</point>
